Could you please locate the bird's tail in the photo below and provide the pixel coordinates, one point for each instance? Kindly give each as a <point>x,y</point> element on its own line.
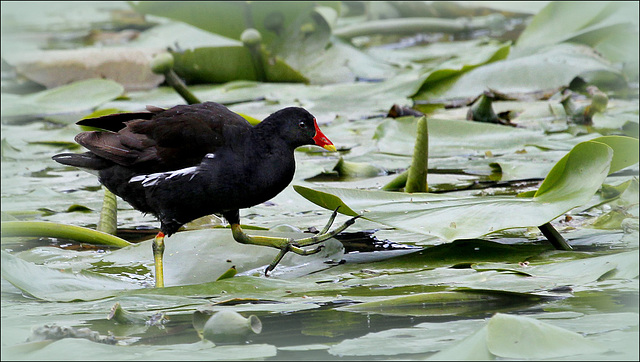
<point>85,160</point>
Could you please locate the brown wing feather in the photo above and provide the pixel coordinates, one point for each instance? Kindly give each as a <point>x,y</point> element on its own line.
<point>174,138</point>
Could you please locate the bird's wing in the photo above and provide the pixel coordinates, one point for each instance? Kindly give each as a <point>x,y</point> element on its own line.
<point>169,139</point>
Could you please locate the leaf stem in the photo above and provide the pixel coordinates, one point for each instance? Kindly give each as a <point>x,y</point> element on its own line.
<point>55,230</point>
<point>179,86</point>
<point>417,176</point>
<point>554,237</point>
<point>163,64</point>
<point>108,222</point>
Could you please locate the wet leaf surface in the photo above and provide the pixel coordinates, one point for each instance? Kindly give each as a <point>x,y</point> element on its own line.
<point>477,285</point>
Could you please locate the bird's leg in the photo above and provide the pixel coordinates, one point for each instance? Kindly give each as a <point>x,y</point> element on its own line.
<point>286,244</point>
<point>158,250</point>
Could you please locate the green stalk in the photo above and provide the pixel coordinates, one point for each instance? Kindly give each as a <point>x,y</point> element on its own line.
<point>229,273</point>
<point>108,222</point>
<point>419,25</point>
<point>417,175</point>
<point>554,237</point>
<point>252,39</point>
<point>177,84</point>
<point>482,110</point>
<point>397,183</point>
<point>163,64</point>
<point>63,231</point>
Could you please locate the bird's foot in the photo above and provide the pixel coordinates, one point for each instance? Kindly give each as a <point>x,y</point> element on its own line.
<point>296,245</point>
<point>292,245</point>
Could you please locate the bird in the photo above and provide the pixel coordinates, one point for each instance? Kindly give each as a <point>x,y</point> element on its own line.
<point>189,161</point>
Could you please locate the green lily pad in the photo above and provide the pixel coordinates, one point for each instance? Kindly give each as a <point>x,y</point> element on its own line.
<point>80,96</point>
<point>611,28</point>
<point>224,64</point>
<point>552,67</point>
<point>230,19</point>
<point>572,182</point>
<point>445,303</point>
<point>323,59</point>
<point>593,268</point>
<point>449,71</point>
<point>426,337</point>
<point>180,35</point>
<point>512,336</point>
<point>70,348</point>
<point>204,57</point>
<point>191,257</point>
<point>60,285</point>
<point>452,137</point>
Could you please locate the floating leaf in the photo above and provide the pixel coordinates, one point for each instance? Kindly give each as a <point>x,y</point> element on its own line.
<point>77,97</point>
<point>59,285</point>
<point>69,347</point>
<point>230,19</point>
<point>511,336</point>
<point>54,230</point>
<point>459,137</point>
<point>571,183</point>
<point>445,303</point>
<point>549,68</point>
<point>425,337</point>
<point>224,64</point>
<point>611,28</point>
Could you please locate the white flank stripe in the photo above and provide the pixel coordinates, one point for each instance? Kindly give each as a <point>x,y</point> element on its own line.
<point>154,178</point>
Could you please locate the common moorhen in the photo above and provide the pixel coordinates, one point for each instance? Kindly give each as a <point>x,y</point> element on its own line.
<point>189,161</point>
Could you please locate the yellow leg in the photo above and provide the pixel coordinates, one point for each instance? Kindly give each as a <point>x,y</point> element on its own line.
<point>288,244</point>
<point>158,250</point>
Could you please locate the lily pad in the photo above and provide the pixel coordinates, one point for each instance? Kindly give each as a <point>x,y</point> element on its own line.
<point>230,19</point>
<point>458,137</point>
<point>552,67</point>
<point>426,337</point>
<point>77,97</point>
<point>445,303</point>
<point>611,28</point>
<point>191,257</point>
<point>53,284</point>
<point>520,337</point>
<point>571,183</point>
<point>511,336</point>
<point>70,348</point>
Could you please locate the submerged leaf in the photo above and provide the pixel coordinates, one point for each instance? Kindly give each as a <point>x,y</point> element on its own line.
<point>445,303</point>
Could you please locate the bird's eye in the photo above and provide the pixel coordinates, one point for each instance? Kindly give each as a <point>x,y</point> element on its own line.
<point>302,125</point>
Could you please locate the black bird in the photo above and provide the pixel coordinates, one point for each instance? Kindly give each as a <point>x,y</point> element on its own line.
<point>189,161</point>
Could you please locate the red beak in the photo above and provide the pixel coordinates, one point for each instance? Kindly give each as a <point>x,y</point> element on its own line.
<point>322,140</point>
